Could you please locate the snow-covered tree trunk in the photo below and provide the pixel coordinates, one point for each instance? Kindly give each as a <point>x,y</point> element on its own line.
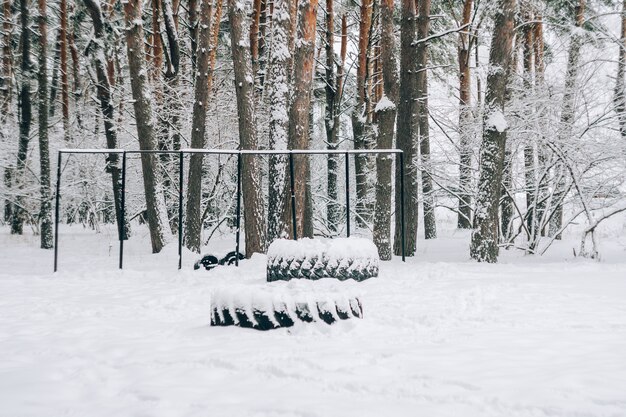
<point>254,213</point>
<point>192,22</point>
<point>18,212</point>
<point>301,106</point>
<point>406,122</point>
<point>6,84</point>
<point>530,169</point>
<point>65,87</point>
<point>386,111</point>
<point>142,104</point>
<point>193,214</point>
<point>620,90</point>
<point>278,89</point>
<point>464,217</point>
<point>423,131</point>
<point>485,238</point>
<point>361,118</point>
<point>103,89</point>
<point>45,211</point>
<point>332,98</point>
<point>568,112</point>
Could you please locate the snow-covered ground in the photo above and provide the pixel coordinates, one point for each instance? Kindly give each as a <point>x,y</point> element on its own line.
<point>441,336</point>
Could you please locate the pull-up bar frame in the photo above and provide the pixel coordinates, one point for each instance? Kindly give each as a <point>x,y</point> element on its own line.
<point>181,154</point>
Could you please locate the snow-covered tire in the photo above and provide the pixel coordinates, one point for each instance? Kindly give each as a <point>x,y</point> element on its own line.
<point>266,311</point>
<point>340,258</point>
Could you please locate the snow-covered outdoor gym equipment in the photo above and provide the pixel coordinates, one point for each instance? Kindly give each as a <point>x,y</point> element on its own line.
<point>340,258</point>
<point>181,153</point>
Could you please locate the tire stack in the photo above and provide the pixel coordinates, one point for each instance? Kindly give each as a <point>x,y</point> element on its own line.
<point>280,304</point>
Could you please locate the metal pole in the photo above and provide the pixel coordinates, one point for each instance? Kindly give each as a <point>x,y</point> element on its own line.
<point>402,205</point>
<point>293,198</point>
<point>237,233</point>
<point>180,210</point>
<point>348,194</point>
<point>123,211</point>
<point>56,214</point>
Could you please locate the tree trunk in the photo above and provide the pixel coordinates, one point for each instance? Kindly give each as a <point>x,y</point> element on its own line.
<point>361,129</point>
<point>155,204</point>
<point>45,213</point>
<point>423,132</point>
<point>407,114</point>
<point>332,97</point>
<point>485,238</point>
<point>193,238</point>
<point>567,118</point>
<point>103,89</point>
<point>76,91</point>
<point>7,55</point>
<point>192,18</point>
<point>244,85</point>
<point>530,170</point>
<point>278,95</point>
<point>300,107</point>
<point>54,87</point>
<point>386,112</point>
<point>65,87</point>
<point>464,217</point>
<point>620,92</point>
<point>18,212</point>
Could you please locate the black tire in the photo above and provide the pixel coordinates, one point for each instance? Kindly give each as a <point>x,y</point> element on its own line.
<point>313,259</point>
<point>285,314</point>
<point>315,268</point>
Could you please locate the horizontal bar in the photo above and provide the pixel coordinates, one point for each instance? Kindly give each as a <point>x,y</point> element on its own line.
<point>94,151</point>
<point>237,152</point>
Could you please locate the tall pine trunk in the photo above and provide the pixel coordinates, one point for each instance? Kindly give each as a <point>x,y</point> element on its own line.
<point>103,89</point>
<point>332,97</point>
<point>620,91</point>
<point>244,85</point>
<point>361,118</point>
<point>18,212</point>
<point>7,62</point>
<point>464,216</point>
<point>278,95</point>
<point>406,121</point>
<point>567,119</point>
<point>386,112</point>
<point>423,131</point>
<point>65,86</point>
<point>300,108</point>
<point>155,203</point>
<point>45,212</point>
<point>198,129</point>
<point>485,238</point>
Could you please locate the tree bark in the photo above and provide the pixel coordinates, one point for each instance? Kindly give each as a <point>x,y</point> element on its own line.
<point>155,204</point>
<point>103,89</point>
<point>18,212</point>
<point>332,97</point>
<point>567,118</point>
<point>464,217</point>
<point>7,61</point>
<point>620,91</point>
<point>244,85</point>
<point>485,238</point>
<point>193,238</point>
<point>192,18</point>
<point>361,129</point>
<point>423,131</point>
<point>45,212</point>
<point>278,95</point>
<point>54,87</point>
<point>407,114</point>
<point>65,87</point>
<point>386,111</point>
<point>300,107</point>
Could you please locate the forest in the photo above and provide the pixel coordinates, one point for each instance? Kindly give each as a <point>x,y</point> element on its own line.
<point>511,115</point>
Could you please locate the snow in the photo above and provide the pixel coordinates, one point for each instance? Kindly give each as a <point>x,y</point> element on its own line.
<point>441,336</point>
<point>498,121</point>
<point>384,104</point>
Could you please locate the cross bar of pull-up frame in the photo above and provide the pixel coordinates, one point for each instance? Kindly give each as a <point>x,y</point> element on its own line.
<point>181,153</point>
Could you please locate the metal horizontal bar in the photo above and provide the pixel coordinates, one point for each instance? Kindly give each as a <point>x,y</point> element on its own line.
<point>236,152</point>
<point>94,151</point>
